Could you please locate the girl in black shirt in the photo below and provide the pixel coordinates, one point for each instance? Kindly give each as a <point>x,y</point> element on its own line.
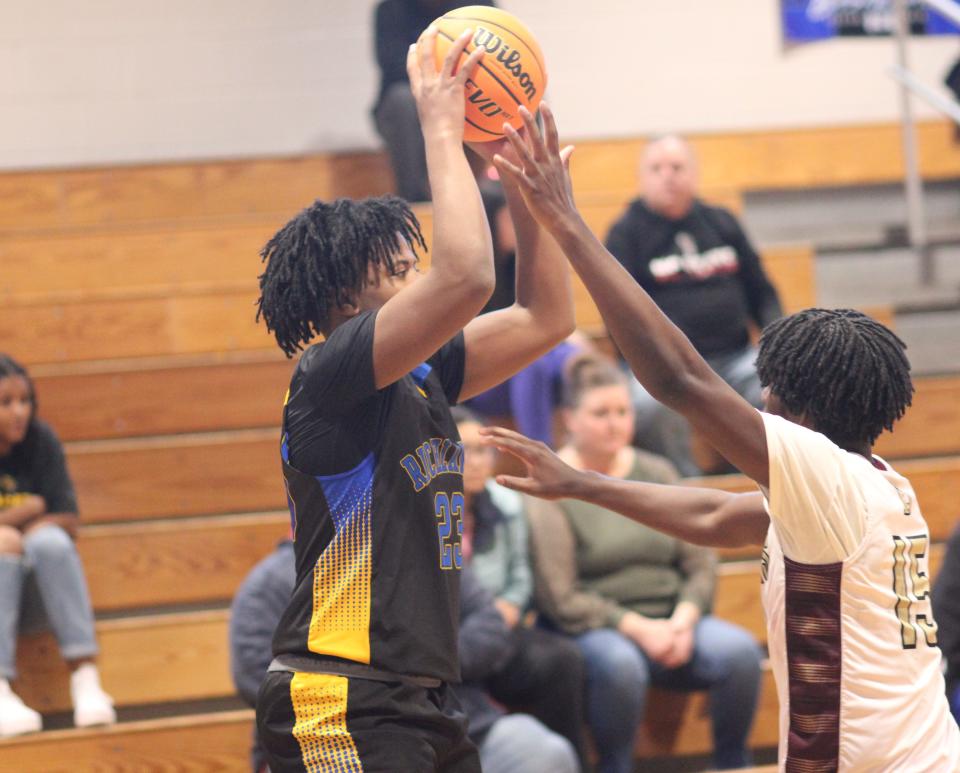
<point>40,571</point>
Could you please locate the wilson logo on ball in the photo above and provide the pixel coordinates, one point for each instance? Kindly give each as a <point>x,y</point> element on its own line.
<point>509,75</point>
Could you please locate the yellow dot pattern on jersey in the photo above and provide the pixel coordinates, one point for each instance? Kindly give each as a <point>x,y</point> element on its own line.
<point>320,707</point>
<point>340,623</point>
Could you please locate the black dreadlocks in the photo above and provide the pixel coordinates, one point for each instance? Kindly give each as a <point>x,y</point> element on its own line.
<point>842,369</point>
<point>321,258</point>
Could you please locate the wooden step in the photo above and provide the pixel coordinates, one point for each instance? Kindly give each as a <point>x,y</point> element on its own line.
<point>136,324</point>
<point>172,395</point>
<point>198,192</point>
<point>151,659</point>
<point>931,425</point>
<point>220,741</point>
<point>186,744</point>
<point>175,562</point>
<point>189,475</point>
<point>678,724</point>
<point>272,190</point>
<point>779,159</point>
<point>69,266</point>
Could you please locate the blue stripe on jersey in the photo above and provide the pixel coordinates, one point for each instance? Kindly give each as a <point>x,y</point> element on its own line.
<point>420,373</point>
<point>344,490</point>
<point>285,449</point>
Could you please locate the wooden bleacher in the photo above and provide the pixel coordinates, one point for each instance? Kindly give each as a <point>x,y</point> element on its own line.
<point>130,293</point>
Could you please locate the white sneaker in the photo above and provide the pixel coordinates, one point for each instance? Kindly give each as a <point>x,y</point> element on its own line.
<point>91,705</point>
<point>16,717</point>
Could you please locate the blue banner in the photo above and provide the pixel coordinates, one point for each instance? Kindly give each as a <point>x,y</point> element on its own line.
<point>806,20</point>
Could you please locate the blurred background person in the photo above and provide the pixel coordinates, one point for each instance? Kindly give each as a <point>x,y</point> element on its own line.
<point>637,601</point>
<point>544,674</point>
<point>42,584</point>
<point>697,264</point>
<point>397,26</point>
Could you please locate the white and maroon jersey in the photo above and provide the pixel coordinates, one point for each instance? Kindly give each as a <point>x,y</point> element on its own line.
<point>846,592</point>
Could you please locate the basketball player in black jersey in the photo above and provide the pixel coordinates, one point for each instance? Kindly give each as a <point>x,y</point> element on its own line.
<point>371,457</point>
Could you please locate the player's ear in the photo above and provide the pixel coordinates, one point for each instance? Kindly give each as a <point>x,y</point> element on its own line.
<point>349,309</point>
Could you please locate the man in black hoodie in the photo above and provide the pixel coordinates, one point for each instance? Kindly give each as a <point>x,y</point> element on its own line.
<point>699,267</point>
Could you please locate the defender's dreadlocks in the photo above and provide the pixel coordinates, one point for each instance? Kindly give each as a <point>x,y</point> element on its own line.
<point>842,369</point>
<point>321,258</point>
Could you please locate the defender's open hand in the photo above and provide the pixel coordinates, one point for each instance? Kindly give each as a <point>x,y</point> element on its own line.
<point>543,171</point>
<point>548,477</point>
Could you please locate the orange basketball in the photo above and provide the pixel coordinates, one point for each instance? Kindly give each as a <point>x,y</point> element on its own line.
<point>510,74</point>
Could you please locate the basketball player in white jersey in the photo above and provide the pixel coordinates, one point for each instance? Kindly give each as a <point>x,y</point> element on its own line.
<point>845,566</point>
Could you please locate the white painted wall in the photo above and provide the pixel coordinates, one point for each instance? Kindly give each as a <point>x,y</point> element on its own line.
<point>108,81</point>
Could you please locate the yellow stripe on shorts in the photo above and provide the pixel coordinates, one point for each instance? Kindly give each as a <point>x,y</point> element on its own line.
<point>320,706</point>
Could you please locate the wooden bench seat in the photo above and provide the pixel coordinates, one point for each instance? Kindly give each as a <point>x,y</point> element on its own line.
<point>135,324</point>
<point>188,561</point>
<point>274,189</point>
<point>205,742</point>
<point>239,471</point>
<point>165,396</point>
<point>166,658</point>
<point>150,659</point>
<point>65,266</point>
<point>187,475</point>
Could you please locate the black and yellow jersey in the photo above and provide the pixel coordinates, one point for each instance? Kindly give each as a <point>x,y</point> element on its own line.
<point>374,483</point>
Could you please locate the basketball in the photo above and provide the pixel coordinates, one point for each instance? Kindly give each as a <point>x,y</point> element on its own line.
<point>511,73</point>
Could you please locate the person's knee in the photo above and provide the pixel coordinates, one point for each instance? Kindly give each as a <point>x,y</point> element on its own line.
<point>519,738</point>
<point>50,541</point>
<point>735,649</point>
<point>616,663</point>
<point>11,541</point>
<point>556,754</point>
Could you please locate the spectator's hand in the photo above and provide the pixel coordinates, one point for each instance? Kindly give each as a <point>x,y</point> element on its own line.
<point>548,477</point>
<point>440,94</point>
<point>65,521</point>
<point>682,649</point>
<point>654,637</point>
<point>509,612</point>
<point>543,174</point>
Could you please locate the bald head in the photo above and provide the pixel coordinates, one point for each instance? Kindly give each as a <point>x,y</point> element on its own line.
<point>668,175</point>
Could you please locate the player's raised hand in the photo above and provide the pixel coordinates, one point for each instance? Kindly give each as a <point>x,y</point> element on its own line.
<point>440,93</point>
<point>548,477</point>
<point>541,169</point>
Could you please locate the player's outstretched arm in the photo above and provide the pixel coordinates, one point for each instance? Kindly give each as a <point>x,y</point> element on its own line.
<point>660,355</point>
<point>502,342</point>
<point>418,320</point>
<point>698,515</point>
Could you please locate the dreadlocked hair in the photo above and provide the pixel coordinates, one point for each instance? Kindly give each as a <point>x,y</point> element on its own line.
<point>845,371</point>
<point>322,257</point>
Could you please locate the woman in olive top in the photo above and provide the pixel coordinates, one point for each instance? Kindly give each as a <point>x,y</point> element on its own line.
<point>636,600</point>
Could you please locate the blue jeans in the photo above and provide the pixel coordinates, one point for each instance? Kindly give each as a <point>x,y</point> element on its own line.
<point>726,661</point>
<point>662,431</point>
<point>45,587</point>
<point>517,743</point>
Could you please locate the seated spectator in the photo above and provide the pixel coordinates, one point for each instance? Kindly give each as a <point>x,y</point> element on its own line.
<point>698,265</point>
<point>508,743</point>
<point>946,611</point>
<point>637,601</point>
<point>41,578</point>
<point>397,25</point>
<point>544,674</point>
